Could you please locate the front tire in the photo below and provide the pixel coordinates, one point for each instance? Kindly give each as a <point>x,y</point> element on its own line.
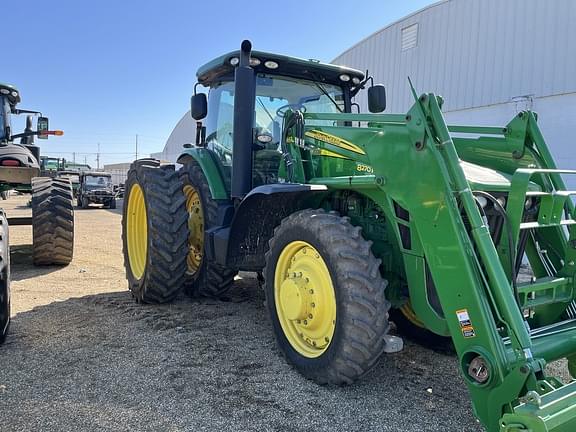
<point>112,204</point>
<point>4,277</point>
<point>326,297</point>
<point>154,232</point>
<point>204,278</point>
<point>52,221</point>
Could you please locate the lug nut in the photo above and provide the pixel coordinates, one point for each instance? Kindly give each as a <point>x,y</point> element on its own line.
<point>305,322</point>
<point>310,316</point>
<point>313,304</point>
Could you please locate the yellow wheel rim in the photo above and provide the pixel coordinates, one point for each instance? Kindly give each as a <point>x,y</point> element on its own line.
<point>410,315</point>
<point>196,228</point>
<point>305,299</point>
<point>137,231</point>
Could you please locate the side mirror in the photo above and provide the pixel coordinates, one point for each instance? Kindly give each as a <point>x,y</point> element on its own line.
<point>42,126</point>
<point>199,106</point>
<point>376,98</point>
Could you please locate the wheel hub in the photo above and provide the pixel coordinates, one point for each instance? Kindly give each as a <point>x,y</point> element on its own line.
<point>293,300</point>
<point>137,231</point>
<point>195,227</point>
<point>305,299</point>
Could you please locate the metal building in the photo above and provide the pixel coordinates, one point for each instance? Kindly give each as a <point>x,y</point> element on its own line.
<point>489,59</point>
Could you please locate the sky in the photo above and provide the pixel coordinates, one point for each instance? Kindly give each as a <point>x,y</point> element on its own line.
<point>105,71</point>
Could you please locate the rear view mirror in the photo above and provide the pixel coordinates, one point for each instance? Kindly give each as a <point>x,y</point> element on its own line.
<point>377,98</point>
<point>42,126</point>
<point>198,106</point>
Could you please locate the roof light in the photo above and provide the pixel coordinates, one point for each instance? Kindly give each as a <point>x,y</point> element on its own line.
<point>4,91</point>
<point>234,61</point>
<point>271,64</point>
<point>344,77</point>
<point>254,61</point>
<point>356,80</point>
<point>15,93</point>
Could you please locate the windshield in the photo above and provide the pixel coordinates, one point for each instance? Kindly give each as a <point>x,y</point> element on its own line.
<point>101,181</point>
<point>274,96</point>
<point>4,116</point>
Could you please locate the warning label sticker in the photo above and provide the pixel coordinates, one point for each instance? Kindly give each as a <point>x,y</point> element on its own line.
<point>463,318</point>
<point>468,332</point>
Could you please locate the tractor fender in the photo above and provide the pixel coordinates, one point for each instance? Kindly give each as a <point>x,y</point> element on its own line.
<point>259,213</point>
<point>207,162</point>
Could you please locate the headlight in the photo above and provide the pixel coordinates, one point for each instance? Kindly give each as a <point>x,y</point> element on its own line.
<point>344,77</point>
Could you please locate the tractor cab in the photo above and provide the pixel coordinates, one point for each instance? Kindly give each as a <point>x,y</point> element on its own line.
<point>261,90</point>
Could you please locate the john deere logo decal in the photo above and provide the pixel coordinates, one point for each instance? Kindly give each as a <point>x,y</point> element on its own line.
<point>334,140</point>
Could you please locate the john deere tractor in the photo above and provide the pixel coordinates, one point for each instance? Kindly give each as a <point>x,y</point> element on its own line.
<point>356,218</point>
<point>52,211</point>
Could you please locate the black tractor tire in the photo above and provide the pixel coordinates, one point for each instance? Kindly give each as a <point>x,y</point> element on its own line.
<point>79,201</point>
<point>167,232</point>
<point>211,280</point>
<point>52,221</point>
<point>4,277</point>
<point>361,322</point>
<point>112,204</point>
<point>84,203</point>
<point>421,335</point>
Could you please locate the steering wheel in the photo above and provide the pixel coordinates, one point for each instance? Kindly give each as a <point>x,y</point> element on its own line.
<point>294,106</point>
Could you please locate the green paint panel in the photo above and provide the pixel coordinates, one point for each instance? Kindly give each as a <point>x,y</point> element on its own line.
<point>208,164</point>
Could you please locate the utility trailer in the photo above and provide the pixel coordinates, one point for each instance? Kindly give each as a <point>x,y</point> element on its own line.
<point>350,216</point>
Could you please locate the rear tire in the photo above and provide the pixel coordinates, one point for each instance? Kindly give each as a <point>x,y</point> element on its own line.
<point>204,278</point>
<point>52,221</point>
<point>154,232</point>
<point>348,350</point>
<point>85,203</point>
<point>4,277</point>
<point>112,204</point>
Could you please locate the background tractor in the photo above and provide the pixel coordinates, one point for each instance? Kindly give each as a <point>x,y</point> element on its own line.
<point>52,208</point>
<point>350,216</point>
<point>60,167</point>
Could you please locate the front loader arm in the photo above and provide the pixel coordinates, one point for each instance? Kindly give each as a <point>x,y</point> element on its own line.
<point>516,396</point>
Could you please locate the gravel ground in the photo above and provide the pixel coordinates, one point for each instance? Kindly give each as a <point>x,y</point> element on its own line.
<point>83,356</point>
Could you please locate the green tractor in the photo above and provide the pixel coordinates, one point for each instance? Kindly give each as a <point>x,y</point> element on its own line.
<point>59,168</point>
<point>355,219</point>
<point>52,217</point>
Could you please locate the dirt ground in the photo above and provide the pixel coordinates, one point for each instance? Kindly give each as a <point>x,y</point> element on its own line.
<point>82,355</point>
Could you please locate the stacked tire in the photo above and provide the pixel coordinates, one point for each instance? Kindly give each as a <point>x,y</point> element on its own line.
<point>52,221</point>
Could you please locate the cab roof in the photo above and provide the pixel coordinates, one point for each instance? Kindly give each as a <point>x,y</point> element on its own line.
<point>220,69</point>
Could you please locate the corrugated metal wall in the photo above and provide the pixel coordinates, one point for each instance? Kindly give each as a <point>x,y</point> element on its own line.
<point>474,52</point>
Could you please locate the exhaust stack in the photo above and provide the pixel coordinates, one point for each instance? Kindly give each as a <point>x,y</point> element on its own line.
<point>245,93</point>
